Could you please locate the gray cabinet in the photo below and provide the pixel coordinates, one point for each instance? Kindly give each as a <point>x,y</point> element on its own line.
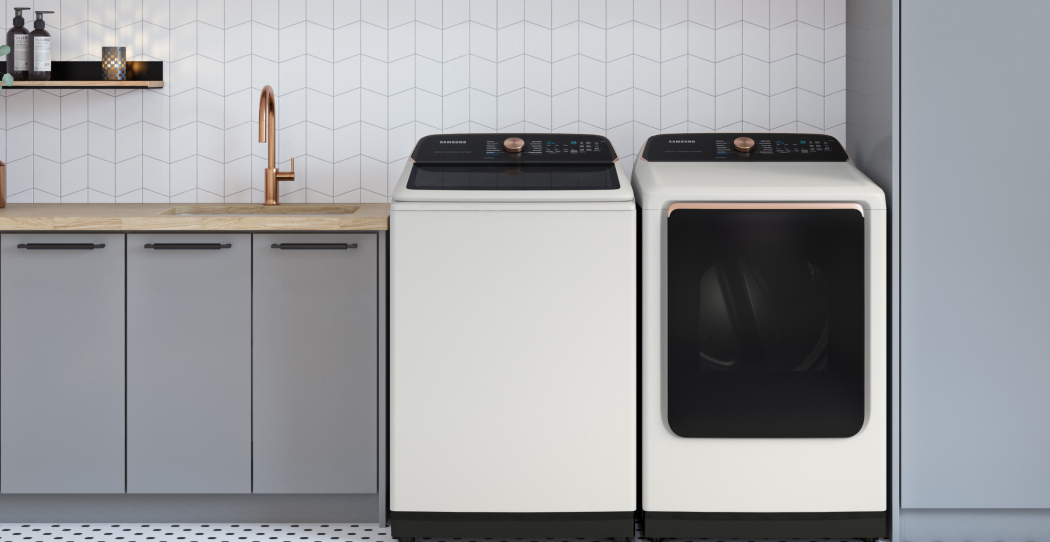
<point>315,364</point>
<point>189,364</point>
<point>975,429</point>
<point>62,363</point>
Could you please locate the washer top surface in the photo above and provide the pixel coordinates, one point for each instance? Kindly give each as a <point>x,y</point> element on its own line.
<point>513,167</point>
<point>749,167</point>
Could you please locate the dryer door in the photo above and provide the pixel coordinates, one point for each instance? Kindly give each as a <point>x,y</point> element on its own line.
<point>765,312</point>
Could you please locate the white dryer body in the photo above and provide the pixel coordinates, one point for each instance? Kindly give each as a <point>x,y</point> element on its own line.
<point>705,473</point>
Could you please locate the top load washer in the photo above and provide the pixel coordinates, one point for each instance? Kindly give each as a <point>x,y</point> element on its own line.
<point>513,332</point>
<point>763,338</point>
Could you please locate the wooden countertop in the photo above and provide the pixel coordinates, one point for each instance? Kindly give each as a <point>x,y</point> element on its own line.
<point>202,217</point>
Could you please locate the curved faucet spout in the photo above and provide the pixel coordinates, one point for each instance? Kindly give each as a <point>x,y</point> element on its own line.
<point>267,113</point>
<point>268,135</point>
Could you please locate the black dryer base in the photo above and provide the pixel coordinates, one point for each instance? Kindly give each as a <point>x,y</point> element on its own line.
<point>764,525</point>
<point>512,525</point>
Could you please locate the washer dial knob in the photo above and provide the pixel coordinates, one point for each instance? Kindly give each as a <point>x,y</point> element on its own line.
<point>744,144</point>
<point>514,144</point>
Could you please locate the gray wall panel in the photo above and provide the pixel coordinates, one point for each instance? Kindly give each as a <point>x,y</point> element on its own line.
<point>189,365</point>
<point>974,256</point>
<point>62,365</point>
<point>1003,525</point>
<point>315,365</point>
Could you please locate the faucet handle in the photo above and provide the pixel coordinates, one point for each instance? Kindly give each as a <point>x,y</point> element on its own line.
<point>286,175</point>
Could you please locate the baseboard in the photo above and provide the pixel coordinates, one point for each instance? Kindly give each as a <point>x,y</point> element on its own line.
<point>764,525</point>
<point>975,525</point>
<point>512,525</point>
<point>192,508</point>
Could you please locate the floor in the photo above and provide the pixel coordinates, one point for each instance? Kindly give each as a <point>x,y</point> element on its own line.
<point>165,532</point>
<point>196,532</point>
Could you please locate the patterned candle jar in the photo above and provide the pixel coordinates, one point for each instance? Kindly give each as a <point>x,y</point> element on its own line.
<point>114,65</point>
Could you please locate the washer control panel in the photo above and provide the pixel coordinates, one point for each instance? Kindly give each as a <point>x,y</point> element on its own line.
<point>738,147</point>
<point>513,149</point>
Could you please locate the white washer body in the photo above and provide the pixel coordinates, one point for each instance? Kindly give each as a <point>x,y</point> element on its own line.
<point>758,474</point>
<point>513,350</point>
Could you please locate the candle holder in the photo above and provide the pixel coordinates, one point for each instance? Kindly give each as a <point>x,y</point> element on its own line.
<point>114,64</point>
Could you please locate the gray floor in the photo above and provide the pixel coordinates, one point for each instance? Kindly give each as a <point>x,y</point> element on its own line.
<point>220,532</point>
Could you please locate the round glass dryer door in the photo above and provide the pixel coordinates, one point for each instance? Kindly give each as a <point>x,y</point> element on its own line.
<point>765,317</point>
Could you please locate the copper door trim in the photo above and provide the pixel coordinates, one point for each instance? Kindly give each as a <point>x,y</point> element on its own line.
<point>745,205</point>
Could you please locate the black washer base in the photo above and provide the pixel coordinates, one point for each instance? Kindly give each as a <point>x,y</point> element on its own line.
<point>764,525</point>
<point>512,525</point>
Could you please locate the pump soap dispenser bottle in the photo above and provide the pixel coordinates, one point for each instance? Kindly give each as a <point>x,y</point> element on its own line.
<point>18,41</point>
<point>40,50</point>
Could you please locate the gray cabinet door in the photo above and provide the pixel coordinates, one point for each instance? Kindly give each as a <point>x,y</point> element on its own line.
<point>189,365</point>
<point>315,365</point>
<point>975,429</point>
<point>62,365</point>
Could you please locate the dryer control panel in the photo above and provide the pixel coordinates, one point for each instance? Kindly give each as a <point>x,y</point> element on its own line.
<point>513,149</point>
<point>744,147</point>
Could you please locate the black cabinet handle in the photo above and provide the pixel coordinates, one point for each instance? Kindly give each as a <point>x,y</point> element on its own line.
<point>187,246</point>
<point>313,246</point>
<point>61,246</point>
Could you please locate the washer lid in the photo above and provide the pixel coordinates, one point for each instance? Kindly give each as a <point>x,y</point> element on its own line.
<point>513,168</point>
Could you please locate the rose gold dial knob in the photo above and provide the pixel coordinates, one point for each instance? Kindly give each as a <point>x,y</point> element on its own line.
<point>514,144</point>
<point>744,144</point>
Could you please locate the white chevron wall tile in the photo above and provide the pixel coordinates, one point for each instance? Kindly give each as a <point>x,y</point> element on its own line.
<point>756,75</point>
<point>619,42</point>
<point>674,41</point>
<point>565,75</point>
<point>811,12</point>
<point>565,41</point>
<point>728,12</point>
<point>292,12</point>
<point>647,75</point>
<point>756,109</point>
<point>646,41</point>
<point>673,108</point>
<point>75,44</point>
<point>674,75</point>
<point>346,76</point>
<point>359,81</point>
<point>103,12</point>
<point>128,179</point>
<point>537,12</point>
<point>756,12</point>
<point>646,108</point>
<point>811,42</point>
<point>728,109</point>
<point>701,109</point>
<point>782,12</point>
<point>128,143</point>
<point>102,174</point>
<point>729,75</point>
<point>401,41</point>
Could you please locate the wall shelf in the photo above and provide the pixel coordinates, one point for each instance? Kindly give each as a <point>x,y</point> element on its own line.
<point>87,84</point>
<point>88,74</point>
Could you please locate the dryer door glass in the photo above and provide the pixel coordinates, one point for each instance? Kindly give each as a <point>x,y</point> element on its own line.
<point>765,312</point>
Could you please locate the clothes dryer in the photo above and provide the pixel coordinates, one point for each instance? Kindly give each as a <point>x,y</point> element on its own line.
<point>763,338</point>
<point>512,347</point>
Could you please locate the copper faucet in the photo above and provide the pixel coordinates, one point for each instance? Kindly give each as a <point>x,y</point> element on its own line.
<point>267,114</point>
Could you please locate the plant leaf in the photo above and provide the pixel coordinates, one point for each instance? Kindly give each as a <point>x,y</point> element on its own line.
<point>4,49</point>
<point>8,80</point>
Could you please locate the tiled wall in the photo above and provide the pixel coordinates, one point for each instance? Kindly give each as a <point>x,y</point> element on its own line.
<point>358,81</point>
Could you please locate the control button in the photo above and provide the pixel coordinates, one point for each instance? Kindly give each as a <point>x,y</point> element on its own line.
<point>744,144</point>
<point>514,144</point>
